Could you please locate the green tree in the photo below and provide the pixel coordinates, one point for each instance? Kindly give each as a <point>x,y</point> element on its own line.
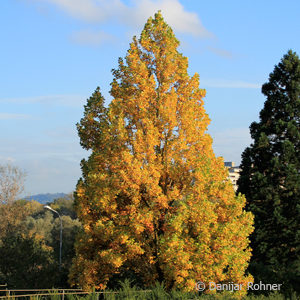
<point>29,243</point>
<point>65,206</point>
<point>270,178</point>
<point>26,262</point>
<point>154,200</point>
<point>71,227</point>
<point>46,225</point>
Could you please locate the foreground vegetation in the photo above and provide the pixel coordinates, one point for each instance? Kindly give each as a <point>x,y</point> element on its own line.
<point>128,292</point>
<point>158,292</point>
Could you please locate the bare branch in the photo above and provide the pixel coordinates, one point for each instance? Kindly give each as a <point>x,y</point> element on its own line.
<point>11,183</point>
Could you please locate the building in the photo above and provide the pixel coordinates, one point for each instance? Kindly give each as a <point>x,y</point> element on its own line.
<point>234,173</point>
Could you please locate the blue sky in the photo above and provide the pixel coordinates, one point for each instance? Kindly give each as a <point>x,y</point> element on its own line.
<point>54,53</point>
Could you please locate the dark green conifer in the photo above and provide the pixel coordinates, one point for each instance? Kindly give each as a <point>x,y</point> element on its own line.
<point>270,178</point>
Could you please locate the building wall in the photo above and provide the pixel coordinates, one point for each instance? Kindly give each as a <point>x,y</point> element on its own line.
<point>234,173</point>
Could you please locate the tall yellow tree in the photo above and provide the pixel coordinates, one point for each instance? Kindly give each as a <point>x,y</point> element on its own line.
<point>153,198</point>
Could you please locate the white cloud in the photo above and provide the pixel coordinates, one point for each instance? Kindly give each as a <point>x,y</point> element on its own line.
<point>61,100</point>
<point>230,143</point>
<point>7,159</point>
<point>91,38</point>
<point>9,116</point>
<point>62,133</point>
<point>87,10</point>
<point>52,165</point>
<point>221,52</point>
<point>174,13</point>
<point>234,84</point>
<point>134,15</point>
<point>50,175</point>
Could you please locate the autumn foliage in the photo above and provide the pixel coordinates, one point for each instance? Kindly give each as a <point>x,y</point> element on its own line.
<point>153,198</point>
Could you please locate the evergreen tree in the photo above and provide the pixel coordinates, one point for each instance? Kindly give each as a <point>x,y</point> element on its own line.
<point>270,178</point>
<point>153,198</point>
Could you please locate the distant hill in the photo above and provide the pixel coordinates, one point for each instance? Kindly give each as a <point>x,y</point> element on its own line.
<point>44,198</point>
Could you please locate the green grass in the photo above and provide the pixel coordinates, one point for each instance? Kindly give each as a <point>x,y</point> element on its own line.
<point>158,292</point>
<point>128,292</point>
